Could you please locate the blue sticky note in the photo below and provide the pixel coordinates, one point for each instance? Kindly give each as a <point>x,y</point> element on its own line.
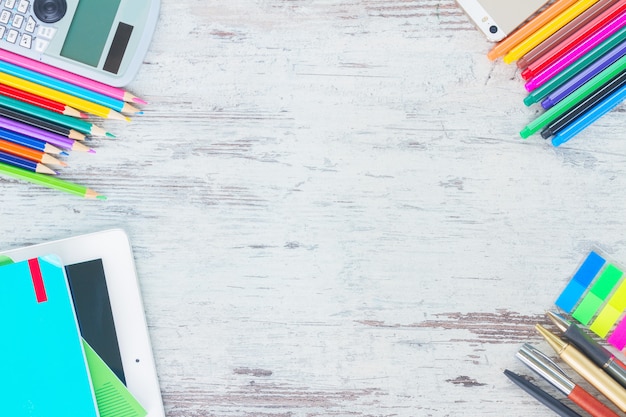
<point>45,372</point>
<point>580,281</point>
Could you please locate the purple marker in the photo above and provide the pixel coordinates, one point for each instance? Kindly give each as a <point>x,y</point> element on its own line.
<point>584,76</point>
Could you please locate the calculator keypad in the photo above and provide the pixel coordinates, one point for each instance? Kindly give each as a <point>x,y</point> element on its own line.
<point>18,27</point>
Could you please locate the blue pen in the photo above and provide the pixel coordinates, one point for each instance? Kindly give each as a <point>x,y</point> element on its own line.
<point>589,117</point>
<point>584,76</point>
<point>65,87</point>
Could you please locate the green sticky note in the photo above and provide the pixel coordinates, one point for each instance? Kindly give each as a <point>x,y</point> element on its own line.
<point>605,283</point>
<point>112,396</point>
<point>587,308</point>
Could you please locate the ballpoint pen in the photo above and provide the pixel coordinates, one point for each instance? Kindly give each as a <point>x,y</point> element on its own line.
<point>586,369</point>
<point>598,354</point>
<point>541,396</point>
<point>550,371</point>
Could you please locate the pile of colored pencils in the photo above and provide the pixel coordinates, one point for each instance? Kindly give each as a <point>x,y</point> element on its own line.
<point>572,58</point>
<point>45,113</point>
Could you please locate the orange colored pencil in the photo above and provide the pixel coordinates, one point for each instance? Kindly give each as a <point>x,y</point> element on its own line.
<point>29,153</point>
<point>529,28</point>
<point>42,102</point>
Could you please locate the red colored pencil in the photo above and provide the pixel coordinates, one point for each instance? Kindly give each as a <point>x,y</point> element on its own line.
<point>42,102</point>
<point>574,40</point>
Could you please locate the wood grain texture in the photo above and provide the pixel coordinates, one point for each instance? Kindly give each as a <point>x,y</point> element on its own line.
<point>332,211</point>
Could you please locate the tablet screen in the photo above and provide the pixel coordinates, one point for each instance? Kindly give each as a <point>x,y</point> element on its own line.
<point>93,311</point>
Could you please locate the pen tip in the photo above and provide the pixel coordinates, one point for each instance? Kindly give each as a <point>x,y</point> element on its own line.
<point>139,101</point>
<point>109,135</point>
<point>91,151</point>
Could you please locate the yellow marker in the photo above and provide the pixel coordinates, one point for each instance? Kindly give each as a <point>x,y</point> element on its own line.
<point>545,32</point>
<point>67,99</point>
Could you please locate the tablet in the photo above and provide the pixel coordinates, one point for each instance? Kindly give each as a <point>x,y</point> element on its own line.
<point>102,278</point>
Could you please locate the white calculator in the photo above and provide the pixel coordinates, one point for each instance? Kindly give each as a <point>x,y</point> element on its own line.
<point>105,40</point>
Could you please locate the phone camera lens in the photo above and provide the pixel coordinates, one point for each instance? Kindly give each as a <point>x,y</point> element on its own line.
<point>493,29</point>
<point>49,11</point>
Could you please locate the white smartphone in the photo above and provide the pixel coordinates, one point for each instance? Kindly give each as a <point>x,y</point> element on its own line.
<point>499,18</point>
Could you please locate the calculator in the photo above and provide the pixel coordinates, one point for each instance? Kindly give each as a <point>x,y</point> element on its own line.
<point>104,40</point>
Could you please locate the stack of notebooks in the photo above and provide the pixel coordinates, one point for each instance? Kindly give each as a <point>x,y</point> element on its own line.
<point>44,115</point>
<point>571,57</point>
<point>49,369</point>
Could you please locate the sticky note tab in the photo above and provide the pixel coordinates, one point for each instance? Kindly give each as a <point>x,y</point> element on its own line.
<point>611,312</point>
<point>597,294</point>
<point>618,337</point>
<point>580,281</point>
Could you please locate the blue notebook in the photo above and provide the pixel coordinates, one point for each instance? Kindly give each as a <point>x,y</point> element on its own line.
<point>45,372</point>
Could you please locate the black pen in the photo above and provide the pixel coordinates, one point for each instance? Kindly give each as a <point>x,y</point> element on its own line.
<point>598,354</point>
<point>541,396</point>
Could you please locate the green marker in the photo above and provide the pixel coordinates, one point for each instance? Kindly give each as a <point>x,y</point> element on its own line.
<point>49,181</point>
<point>576,97</point>
<point>538,94</point>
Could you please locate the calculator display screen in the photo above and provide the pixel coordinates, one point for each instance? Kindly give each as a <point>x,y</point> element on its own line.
<point>90,30</point>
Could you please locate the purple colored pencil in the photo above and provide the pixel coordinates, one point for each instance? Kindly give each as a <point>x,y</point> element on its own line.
<point>585,75</point>
<point>576,52</point>
<point>54,139</point>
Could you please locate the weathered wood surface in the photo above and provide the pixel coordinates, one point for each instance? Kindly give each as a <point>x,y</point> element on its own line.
<point>332,212</point>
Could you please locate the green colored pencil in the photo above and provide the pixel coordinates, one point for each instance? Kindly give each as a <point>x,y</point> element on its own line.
<point>49,181</point>
<point>576,97</point>
<point>61,119</point>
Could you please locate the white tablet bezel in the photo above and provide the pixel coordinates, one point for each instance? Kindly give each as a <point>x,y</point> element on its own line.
<point>113,248</point>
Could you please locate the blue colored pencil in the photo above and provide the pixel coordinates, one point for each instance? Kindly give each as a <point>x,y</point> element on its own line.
<point>586,119</point>
<point>38,145</point>
<point>24,163</point>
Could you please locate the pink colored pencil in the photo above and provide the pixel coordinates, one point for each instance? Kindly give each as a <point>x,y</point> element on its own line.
<point>67,76</point>
<point>575,53</point>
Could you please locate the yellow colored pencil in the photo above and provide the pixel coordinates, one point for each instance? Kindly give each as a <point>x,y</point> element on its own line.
<point>546,31</point>
<point>67,99</point>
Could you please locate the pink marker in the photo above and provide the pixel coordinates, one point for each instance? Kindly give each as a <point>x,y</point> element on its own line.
<point>69,77</point>
<point>576,52</point>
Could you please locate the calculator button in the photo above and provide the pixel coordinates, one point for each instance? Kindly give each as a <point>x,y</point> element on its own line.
<point>46,32</point>
<point>5,16</point>
<point>12,35</point>
<point>18,20</point>
<point>30,25</point>
<point>26,41</point>
<point>41,44</point>
<point>9,4</point>
<point>22,7</point>
<point>2,29</point>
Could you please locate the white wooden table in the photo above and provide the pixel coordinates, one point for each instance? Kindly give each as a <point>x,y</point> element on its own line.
<point>332,211</point>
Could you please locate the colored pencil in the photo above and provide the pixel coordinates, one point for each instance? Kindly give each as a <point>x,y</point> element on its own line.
<point>36,100</point>
<point>585,75</point>
<point>75,79</point>
<point>578,125</point>
<point>28,153</point>
<point>71,123</point>
<point>33,143</point>
<point>15,131</point>
<point>40,123</point>
<point>76,102</point>
<point>585,105</point>
<point>25,164</point>
<point>589,58</point>
<point>576,39</point>
<point>571,100</point>
<point>529,28</point>
<point>563,33</point>
<point>579,50</point>
<point>49,181</point>
<point>547,30</point>
<point>66,88</point>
